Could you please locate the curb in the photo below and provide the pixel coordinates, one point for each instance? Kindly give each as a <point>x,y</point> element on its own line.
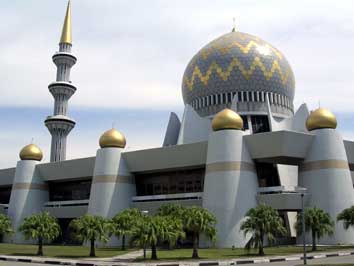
<point>206,263</point>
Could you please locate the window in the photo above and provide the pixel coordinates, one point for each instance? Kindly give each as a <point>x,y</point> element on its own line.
<point>267,174</point>
<point>244,98</point>
<point>245,122</point>
<point>259,123</point>
<point>239,96</point>
<point>5,193</point>
<point>69,190</point>
<point>172,182</point>
<point>229,97</point>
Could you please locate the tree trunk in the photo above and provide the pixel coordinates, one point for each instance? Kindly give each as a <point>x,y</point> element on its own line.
<point>92,248</point>
<point>314,246</point>
<point>144,251</point>
<point>123,242</point>
<point>40,246</point>
<point>153,252</point>
<point>260,248</point>
<point>195,247</point>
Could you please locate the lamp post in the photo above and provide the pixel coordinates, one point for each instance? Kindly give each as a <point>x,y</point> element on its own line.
<point>303,227</point>
<point>302,192</point>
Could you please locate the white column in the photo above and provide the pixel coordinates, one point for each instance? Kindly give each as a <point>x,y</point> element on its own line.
<point>326,175</point>
<point>29,193</point>
<point>230,185</point>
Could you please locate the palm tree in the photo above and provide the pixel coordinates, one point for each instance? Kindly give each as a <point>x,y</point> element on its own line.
<point>5,225</point>
<point>318,221</point>
<point>41,227</point>
<point>174,212</point>
<point>347,216</point>
<point>199,220</point>
<point>260,222</point>
<point>150,230</point>
<point>171,209</point>
<point>91,228</point>
<point>124,222</point>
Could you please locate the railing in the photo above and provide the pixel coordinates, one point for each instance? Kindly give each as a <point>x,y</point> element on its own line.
<point>166,197</point>
<point>278,189</point>
<point>67,203</point>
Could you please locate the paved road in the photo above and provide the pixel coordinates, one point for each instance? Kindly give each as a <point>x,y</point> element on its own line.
<point>343,259</point>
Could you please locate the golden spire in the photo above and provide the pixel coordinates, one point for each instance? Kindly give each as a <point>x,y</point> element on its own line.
<point>66,33</point>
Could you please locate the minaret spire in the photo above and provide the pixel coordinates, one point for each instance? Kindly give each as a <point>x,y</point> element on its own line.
<point>66,36</point>
<point>59,124</point>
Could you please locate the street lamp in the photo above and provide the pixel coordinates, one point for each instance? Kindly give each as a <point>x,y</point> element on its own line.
<point>302,192</point>
<point>145,213</point>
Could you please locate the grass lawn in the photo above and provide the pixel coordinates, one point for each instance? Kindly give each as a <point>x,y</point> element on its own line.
<point>58,251</point>
<point>213,253</point>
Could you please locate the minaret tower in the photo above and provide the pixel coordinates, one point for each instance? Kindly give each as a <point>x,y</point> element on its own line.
<point>60,125</point>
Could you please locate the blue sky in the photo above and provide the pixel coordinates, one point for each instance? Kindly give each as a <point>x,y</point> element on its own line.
<point>132,55</point>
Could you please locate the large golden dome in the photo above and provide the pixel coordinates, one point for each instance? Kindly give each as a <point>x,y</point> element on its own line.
<point>321,118</point>
<point>112,138</point>
<point>234,63</point>
<point>31,152</point>
<point>227,119</point>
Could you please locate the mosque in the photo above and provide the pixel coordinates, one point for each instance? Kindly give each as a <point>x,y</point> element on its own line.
<point>239,143</point>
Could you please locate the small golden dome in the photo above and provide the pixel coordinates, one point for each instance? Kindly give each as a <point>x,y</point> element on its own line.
<point>31,152</point>
<point>321,118</point>
<point>112,138</point>
<point>227,119</point>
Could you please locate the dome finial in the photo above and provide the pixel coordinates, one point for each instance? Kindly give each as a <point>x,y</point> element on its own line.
<point>31,152</point>
<point>66,36</point>
<point>321,118</point>
<point>227,119</point>
<point>112,139</point>
<point>234,24</point>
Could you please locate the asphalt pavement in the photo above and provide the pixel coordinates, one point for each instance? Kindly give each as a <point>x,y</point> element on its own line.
<point>331,260</point>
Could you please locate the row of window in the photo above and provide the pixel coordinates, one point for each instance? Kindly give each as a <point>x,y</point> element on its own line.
<point>241,96</point>
<point>173,182</point>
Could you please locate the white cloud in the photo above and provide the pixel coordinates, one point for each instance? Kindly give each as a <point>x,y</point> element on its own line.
<point>133,53</point>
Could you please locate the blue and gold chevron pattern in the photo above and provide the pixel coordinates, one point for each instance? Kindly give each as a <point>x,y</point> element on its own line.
<point>237,61</point>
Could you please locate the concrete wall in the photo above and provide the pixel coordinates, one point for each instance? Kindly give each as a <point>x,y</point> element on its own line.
<point>172,157</point>
<point>70,169</point>
<point>7,176</point>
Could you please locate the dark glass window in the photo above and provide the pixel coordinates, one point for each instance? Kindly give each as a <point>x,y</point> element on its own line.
<point>245,122</point>
<point>239,96</point>
<point>5,193</point>
<point>70,190</point>
<point>172,182</point>
<point>250,96</point>
<point>244,96</point>
<point>259,123</point>
<point>267,175</point>
<point>229,97</point>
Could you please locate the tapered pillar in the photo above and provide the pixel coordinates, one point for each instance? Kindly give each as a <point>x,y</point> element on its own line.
<point>230,184</point>
<point>326,175</point>
<point>112,184</point>
<point>29,191</point>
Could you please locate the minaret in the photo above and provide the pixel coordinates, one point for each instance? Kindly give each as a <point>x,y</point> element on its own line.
<point>60,125</point>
